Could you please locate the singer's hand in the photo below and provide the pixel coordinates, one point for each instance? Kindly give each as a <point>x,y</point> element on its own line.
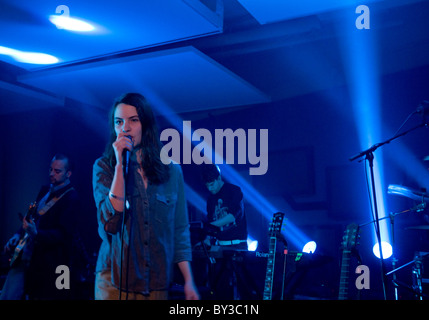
<point>123,142</point>
<point>191,292</point>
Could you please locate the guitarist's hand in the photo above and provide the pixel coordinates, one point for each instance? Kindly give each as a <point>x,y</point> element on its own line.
<point>29,227</point>
<point>11,243</point>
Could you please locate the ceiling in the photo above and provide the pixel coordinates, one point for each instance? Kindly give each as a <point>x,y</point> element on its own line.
<point>191,55</point>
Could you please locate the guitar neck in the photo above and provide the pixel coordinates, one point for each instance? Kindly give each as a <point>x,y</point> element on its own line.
<point>30,212</point>
<point>344,276</point>
<point>269,275</point>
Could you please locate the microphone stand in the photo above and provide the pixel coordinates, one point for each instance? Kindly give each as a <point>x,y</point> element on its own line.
<point>370,158</point>
<point>378,145</point>
<point>124,218</point>
<point>369,155</point>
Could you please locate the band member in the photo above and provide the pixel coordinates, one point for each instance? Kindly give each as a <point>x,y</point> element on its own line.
<point>140,248</point>
<point>49,233</point>
<point>225,209</point>
<point>227,225</point>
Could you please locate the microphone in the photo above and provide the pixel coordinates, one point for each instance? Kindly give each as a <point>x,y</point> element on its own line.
<point>126,159</point>
<point>423,108</point>
<point>420,207</point>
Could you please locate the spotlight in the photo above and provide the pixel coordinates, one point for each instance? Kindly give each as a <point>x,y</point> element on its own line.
<point>28,57</point>
<point>71,24</point>
<point>385,247</point>
<point>252,245</point>
<point>309,247</point>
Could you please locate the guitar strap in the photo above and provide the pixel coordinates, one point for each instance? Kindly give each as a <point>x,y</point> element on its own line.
<point>47,206</point>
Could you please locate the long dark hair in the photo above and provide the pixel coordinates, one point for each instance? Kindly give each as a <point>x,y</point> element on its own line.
<point>155,170</point>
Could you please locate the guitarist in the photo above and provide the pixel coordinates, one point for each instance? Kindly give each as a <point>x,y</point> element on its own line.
<point>226,222</point>
<point>50,232</point>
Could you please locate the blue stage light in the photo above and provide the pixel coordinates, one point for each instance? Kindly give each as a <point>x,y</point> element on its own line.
<point>386,248</point>
<point>71,24</point>
<point>252,244</point>
<point>309,247</point>
<point>29,57</point>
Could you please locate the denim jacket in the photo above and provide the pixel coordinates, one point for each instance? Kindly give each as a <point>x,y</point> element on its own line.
<point>156,232</point>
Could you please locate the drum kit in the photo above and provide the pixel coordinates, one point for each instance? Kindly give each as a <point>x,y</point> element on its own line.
<point>417,263</point>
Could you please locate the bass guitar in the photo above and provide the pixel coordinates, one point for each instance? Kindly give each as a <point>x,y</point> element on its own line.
<point>24,238</point>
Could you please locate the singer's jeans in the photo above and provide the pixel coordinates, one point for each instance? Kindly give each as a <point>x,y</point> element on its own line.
<point>104,290</point>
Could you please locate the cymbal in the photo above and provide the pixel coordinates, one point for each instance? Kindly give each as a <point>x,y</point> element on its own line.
<point>419,227</point>
<point>407,192</point>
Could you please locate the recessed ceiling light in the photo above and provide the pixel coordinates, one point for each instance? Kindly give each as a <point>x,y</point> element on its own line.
<point>28,57</point>
<point>71,24</point>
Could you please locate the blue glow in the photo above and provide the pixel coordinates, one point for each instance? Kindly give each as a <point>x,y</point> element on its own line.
<point>386,248</point>
<point>252,244</point>
<point>411,165</point>
<point>380,192</point>
<point>269,11</point>
<point>309,247</point>
<point>71,24</point>
<point>361,65</point>
<point>195,199</point>
<point>28,57</point>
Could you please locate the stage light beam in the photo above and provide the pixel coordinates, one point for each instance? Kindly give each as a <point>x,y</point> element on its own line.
<point>360,54</point>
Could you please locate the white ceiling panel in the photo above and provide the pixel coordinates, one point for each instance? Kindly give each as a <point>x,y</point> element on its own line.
<point>268,11</point>
<point>120,26</point>
<point>184,78</point>
<point>202,54</point>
